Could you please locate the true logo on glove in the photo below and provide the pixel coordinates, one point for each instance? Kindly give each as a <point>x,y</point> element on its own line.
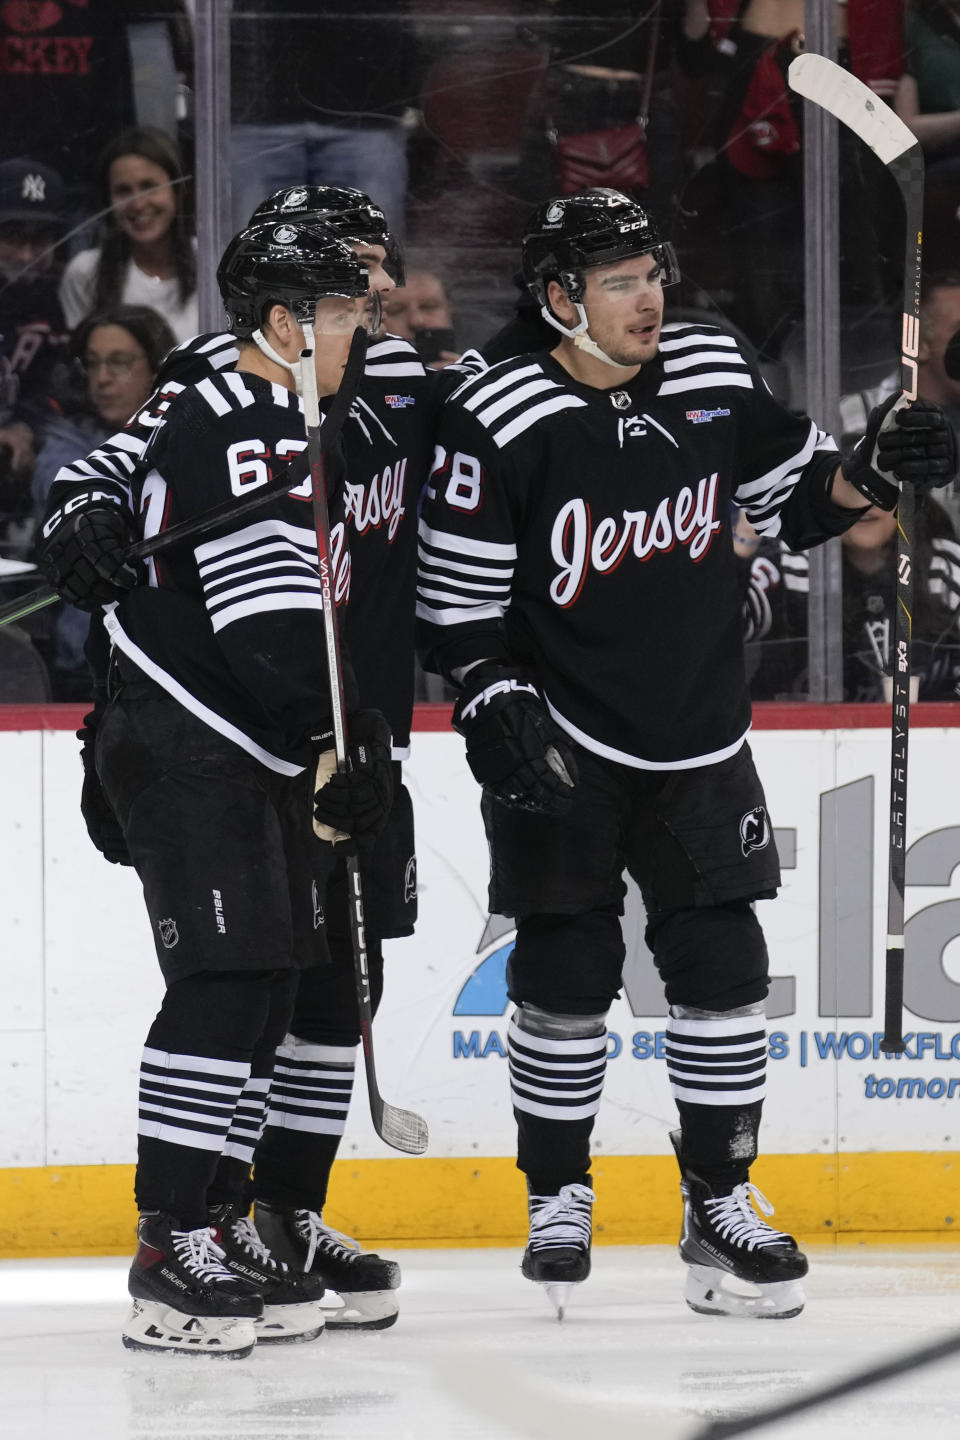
<point>501,687</point>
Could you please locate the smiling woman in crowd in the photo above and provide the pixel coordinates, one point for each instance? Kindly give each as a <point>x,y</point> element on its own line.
<point>146,256</point>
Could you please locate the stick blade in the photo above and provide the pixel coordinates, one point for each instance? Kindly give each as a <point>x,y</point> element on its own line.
<point>403,1129</point>
<point>828,85</point>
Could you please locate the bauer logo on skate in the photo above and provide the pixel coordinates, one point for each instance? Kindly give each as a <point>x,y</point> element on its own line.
<point>578,544</point>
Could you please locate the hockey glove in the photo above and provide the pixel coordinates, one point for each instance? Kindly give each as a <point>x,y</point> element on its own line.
<point>513,747</point>
<point>103,827</point>
<point>915,442</point>
<point>352,805</point>
<point>84,556</point>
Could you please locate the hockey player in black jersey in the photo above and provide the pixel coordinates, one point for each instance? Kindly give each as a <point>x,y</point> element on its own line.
<point>383,445</point>
<point>578,583</point>
<point>383,442</point>
<point>220,706</point>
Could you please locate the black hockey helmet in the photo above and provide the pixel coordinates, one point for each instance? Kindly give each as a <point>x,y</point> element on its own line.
<point>349,213</point>
<point>285,263</point>
<point>567,236</point>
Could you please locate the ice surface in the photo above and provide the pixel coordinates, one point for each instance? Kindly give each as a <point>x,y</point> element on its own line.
<point>477,1353</point>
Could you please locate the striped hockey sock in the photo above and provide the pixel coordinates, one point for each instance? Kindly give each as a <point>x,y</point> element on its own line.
<point>717,1067</point>
<point>555,1086</point>
<point>717,1060</point>
<point>248,1120</point>
<point>312,1086</point>
<point>189,1100</point>
<point>187,1106</point>
<point>556,1079</point>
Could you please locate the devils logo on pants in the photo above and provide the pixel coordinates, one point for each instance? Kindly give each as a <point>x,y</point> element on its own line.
<point>755,830</point>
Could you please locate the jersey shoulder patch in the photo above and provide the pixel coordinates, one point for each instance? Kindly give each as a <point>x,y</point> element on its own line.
<point>512,397</point>
<point>701,357</point>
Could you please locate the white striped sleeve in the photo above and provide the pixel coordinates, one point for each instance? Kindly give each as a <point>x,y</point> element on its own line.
<point>763,496</point>
<point>265,567</point>
<point>462,580</point>
<point>944,575</point>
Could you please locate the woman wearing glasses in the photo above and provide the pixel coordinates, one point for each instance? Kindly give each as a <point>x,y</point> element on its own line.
<point>115,356</point>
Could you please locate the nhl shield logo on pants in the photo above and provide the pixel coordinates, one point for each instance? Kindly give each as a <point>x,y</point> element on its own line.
<point>168,933</point>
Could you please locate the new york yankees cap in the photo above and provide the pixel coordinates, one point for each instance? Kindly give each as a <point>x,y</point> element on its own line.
<point>30,191</point>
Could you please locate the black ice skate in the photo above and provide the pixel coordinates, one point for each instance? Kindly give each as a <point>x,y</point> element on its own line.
<point>365,1283</point>
<point>185,1300</point>
<point>291,1300</point>
<point>738,1264</point>
<point>558,1250</point>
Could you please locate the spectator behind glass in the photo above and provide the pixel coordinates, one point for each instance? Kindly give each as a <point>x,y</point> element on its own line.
<point>928,95</point>
<point>73,74</point>
<point>939,326</point>
<point>146,256</point>
<point>319,98</point>
<point>419,311</point>
<point>116,355</point>
<point>609,104</point>
<point>32,333</point>
<point>928,100</point>
<point>775,609</point>
<point>746,200</point>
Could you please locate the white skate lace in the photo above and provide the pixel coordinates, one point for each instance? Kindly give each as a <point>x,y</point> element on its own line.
<point>199,1253</point>
<point>245,1233</point>
<point>310,1227</point>
<point>561,1220</point>
<point>734,1218</point>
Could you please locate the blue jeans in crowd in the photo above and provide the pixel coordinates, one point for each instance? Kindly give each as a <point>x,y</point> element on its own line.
<point>372,158</point>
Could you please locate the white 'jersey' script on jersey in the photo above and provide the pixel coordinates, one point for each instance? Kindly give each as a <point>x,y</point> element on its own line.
<point>586,532</point>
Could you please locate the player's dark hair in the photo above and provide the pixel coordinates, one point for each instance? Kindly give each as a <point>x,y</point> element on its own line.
<point>115,250</point>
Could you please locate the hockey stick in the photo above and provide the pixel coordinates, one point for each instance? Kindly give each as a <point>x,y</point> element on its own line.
<point>403,1129</point>
<point>832,88</point>
<point>293,473</point>
<point>861,1380</point>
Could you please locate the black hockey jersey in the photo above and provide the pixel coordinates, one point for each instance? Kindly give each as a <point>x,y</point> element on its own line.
<point>231,623</point>
<point>383,444</point>
<point>587,533</point>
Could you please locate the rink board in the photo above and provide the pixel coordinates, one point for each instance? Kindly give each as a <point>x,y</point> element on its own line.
<point>856,1144</point>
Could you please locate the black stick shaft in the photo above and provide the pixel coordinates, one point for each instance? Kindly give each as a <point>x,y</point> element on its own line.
<point>875,1375</point>
<point>293,473</point>
<point>907,170</point>
<point>321,518</point>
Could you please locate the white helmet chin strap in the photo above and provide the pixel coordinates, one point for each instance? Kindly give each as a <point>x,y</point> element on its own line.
<point>263,344</point>
<point>579,335</point>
